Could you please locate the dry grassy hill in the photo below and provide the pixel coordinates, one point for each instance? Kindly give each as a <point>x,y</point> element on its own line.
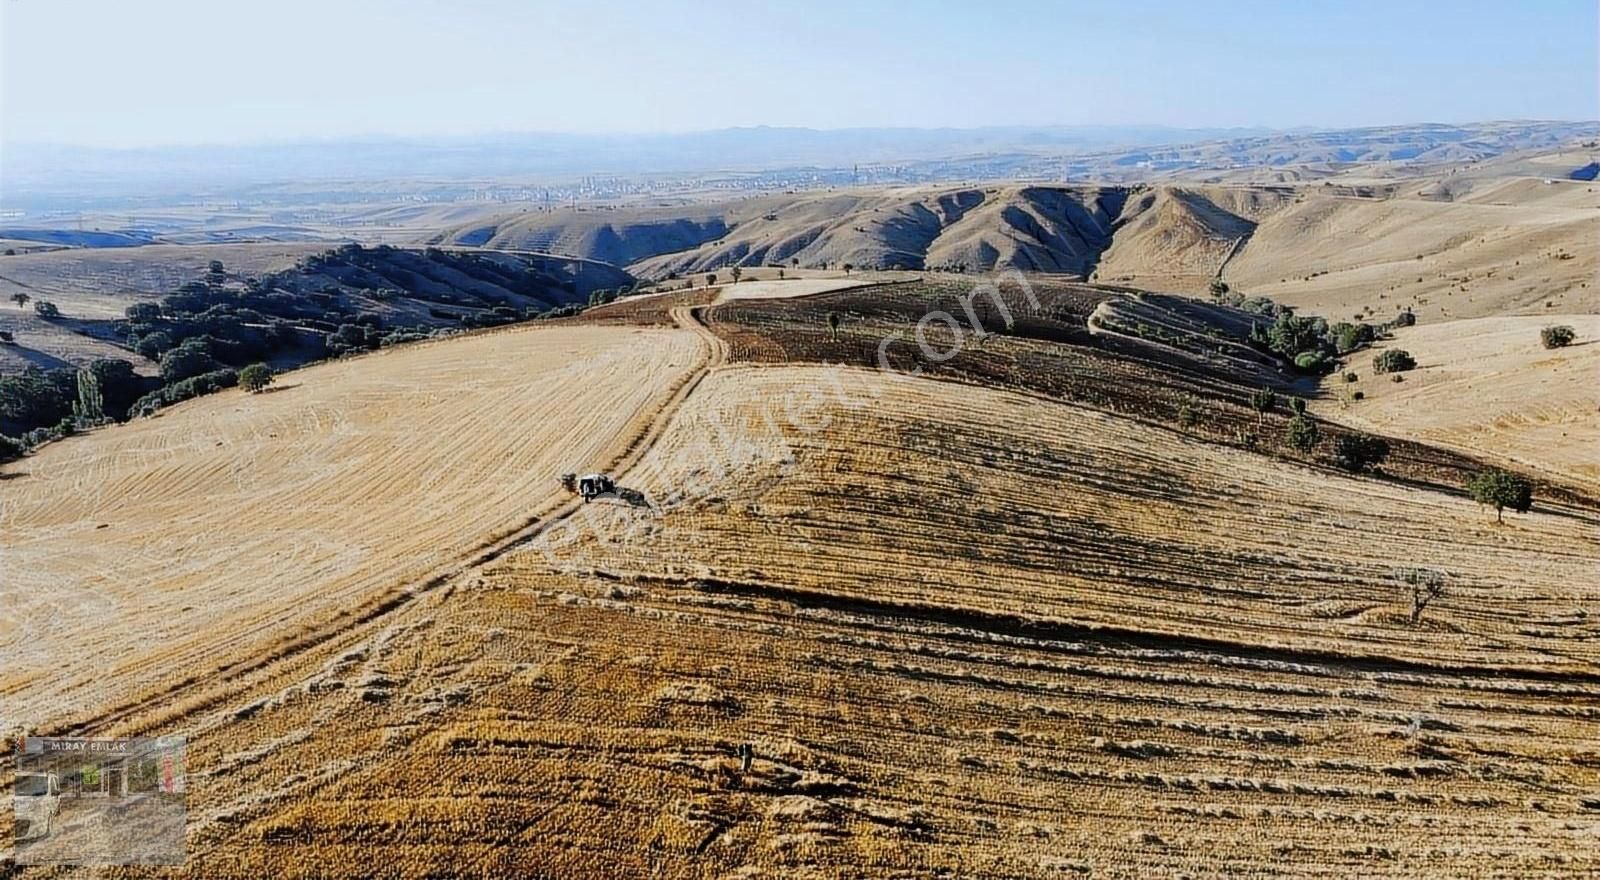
<point>233,527</point>
<point>401,287</point>
<point>1045,229</point>
<point>1110,651</point>
<point>1522,247</point>
<point>1510,235</point>
<point>1488,387</point>
<point>1012,617</point>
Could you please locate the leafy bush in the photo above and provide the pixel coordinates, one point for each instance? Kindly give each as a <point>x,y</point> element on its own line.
<point>1351,337</point>
<point>192,358</point>
<point>1304,434</point>
<point>1404,319</point>
<point>1501,489</point>
<point>205,383</point>
<point>46,309</point>
<point>1559,336</point>
<point>1359,452</point>
<point>1351,377</point>
<point>11,448</point>
<point>36,398</point>
<point>255,377</point>
<point>1263,401</point>
<point>1395,360</point>
<point>1312,362</point>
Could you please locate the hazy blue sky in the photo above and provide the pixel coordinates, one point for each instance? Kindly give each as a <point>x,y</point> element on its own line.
<point>136,72</point>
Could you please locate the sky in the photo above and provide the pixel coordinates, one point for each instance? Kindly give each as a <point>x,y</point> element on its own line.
<point>120,73</point>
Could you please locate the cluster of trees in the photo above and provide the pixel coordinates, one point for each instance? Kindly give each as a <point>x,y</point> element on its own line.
<point>38,405</point>
<point>1312,344</point>
<point>1355,453</point>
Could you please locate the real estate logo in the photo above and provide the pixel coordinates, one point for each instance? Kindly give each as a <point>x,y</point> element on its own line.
<point>100,801</point>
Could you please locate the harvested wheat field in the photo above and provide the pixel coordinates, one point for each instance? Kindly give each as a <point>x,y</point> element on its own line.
<point>198,543</point>
<point>1111,652</point>
<point>1488,387</point>
<point>1010,618</point>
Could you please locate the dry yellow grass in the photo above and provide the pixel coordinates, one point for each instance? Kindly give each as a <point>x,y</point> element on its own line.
<point>964,631</point>
<point>1112,651</point>
<point>1509,251</point>
<point>1488,387</point>
<point>180,547</point>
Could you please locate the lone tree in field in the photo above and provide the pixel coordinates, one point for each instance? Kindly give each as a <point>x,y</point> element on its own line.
<point>794,262</point>
<point>255,377</point>
<point>1559,336</point>
<point>847,268</point>
<point>1297,405</point>
<point>1501,489</point>
<point>711,278</point>
<point>1304,435</point>
<point>737,273</point>
<point>1425,587</point>
<point>1358,452</point>
<point>1263,401</point>
<point>833,324</point>
<point>46,309</point>
<point>1395,360</point>
<point>21,299</point>
<point>1219,289</point>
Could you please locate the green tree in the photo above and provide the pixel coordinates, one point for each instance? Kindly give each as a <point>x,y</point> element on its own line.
<point>847,268</point>
<point>255,377</point>
<point>1304,434</point>
<point>1395,360</point>
<point>1359,452</point>
<point>190,359</point>
<point>1263,401</point>
<point>1297,405</point>
<point>21,299</point>
<point>1559,336</point>
<point>711,279</point>
<point>11,448</point>
<point>737,273</point>
<point>833,324</point>
<point>46,309</point>
<point>1350,337</point>
<point>1501,489</point>
<point>1219,289</point>
<point>90,407</point>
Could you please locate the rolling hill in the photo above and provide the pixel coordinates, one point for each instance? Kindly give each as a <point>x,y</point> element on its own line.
<point>1011,615</point>
<point>1462,243</point>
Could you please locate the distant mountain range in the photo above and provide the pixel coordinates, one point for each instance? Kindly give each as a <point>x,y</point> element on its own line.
<point>53,177</point>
